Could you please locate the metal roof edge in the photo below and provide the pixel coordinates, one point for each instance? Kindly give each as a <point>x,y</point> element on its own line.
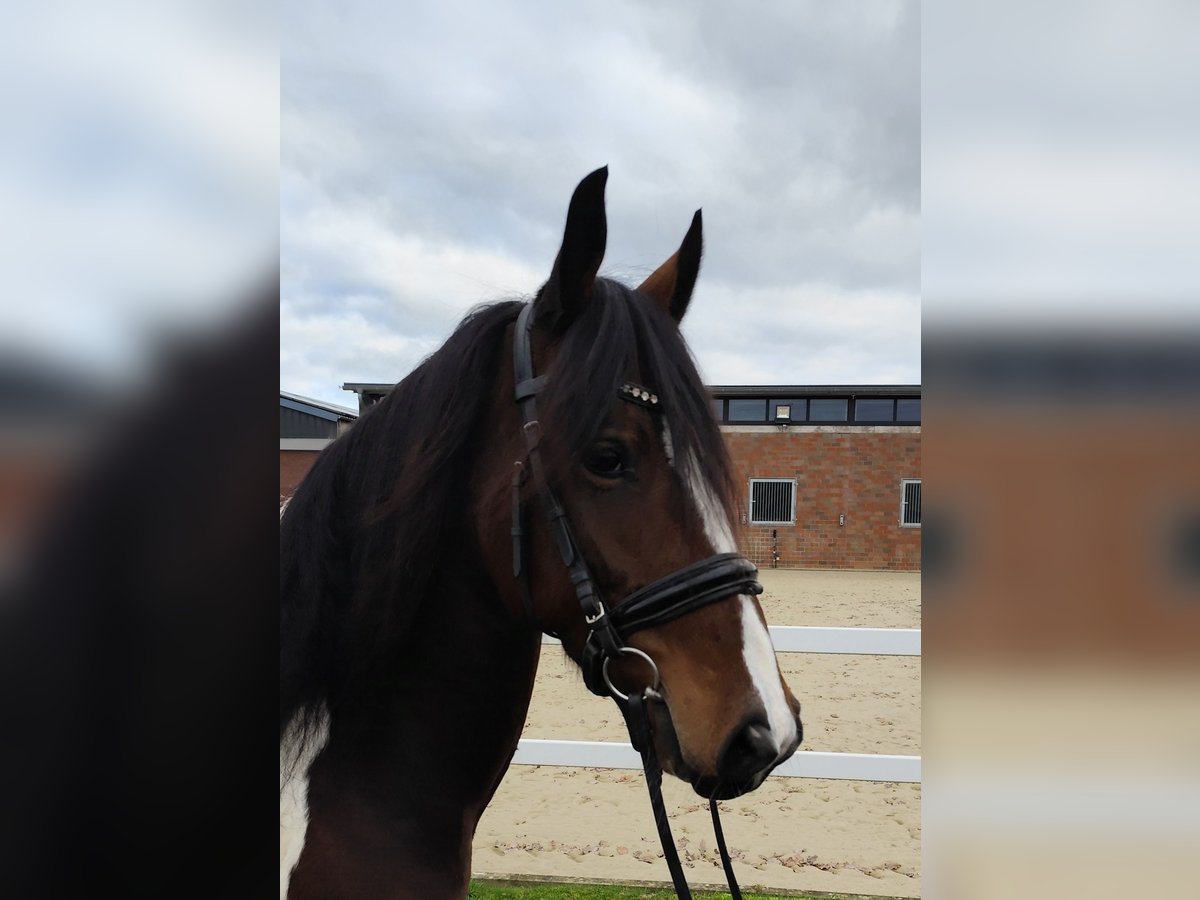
<point>815,390</point>
<point>739,390</point>
<point>297,400</point>
<point>368,387</point>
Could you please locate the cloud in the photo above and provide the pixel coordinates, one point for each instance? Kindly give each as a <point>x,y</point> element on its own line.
<point>429,153</point>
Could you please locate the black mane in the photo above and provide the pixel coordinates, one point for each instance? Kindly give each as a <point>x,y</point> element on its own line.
<point>378,515</point>
<point>384,512</point>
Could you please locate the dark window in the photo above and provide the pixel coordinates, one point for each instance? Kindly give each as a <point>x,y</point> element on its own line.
<point>747,410</point>
<point>910,503</point>
<point>873,410</point>
<point>718,408</point>
<point>796,410</point>
<point>827,410</point>
<point>908,410</point>
<point>772,501</point>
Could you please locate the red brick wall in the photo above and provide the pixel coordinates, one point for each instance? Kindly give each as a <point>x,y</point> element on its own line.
<point>293,466</point>
<point>853,471</point>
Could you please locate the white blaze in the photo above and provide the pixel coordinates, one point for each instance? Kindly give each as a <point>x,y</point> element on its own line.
<point>294,762</point>
<point>668,445</point>
<point>756,640</point>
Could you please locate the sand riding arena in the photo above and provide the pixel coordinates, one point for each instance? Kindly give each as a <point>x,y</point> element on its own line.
<point>793,833</point>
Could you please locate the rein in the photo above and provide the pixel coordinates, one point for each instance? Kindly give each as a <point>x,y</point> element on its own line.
<point>677,594</point>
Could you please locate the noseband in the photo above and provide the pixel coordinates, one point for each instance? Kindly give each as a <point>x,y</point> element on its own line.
<point>683,591</point>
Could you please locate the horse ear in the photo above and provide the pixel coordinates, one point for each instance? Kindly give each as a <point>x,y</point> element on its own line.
<point>671,284</point>
<point>570,285</point>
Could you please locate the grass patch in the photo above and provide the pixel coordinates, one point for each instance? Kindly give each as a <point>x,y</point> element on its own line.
<point>515,890</point>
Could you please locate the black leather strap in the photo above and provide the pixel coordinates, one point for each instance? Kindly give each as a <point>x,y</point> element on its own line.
<point>525,392</point>
<point>686,589</point>
<point>638,720</point>
<point>735,892</point>
<point>639,732</point>
<point>529,387</point>
<point>683,591</point>
<point>518,529</point>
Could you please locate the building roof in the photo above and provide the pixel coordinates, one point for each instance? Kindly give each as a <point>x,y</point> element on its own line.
<point>743,390</point>
<point>814,390</point>
<point>368,387</point>
<point>318,408</point>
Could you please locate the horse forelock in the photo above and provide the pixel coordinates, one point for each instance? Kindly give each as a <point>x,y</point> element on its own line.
<point>622,335</point>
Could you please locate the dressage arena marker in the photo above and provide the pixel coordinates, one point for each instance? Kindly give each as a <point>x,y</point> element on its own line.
<point>804,763</point>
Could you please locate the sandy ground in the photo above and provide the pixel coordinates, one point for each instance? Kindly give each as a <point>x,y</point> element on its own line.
<point>794,833</point>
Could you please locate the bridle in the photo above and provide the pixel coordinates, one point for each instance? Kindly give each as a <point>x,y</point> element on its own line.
<point>683,591</point>
<point>677,594</point>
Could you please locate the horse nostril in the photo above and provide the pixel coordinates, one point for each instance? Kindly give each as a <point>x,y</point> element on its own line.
<point>748,752</point>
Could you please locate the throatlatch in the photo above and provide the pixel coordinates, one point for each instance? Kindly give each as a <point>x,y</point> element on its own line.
<point>677,594</point>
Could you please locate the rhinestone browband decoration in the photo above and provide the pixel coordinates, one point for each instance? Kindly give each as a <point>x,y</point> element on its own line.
<point>635,393</point>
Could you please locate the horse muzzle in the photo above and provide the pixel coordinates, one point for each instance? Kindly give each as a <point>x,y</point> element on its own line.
<point>749,754</point>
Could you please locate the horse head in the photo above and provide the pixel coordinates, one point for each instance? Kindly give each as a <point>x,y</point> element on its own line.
<point>631,452</point>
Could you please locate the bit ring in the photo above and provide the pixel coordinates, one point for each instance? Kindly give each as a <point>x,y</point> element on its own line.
<point>634,651</point>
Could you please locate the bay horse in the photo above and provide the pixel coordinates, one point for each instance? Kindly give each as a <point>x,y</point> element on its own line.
<point>415,586</point>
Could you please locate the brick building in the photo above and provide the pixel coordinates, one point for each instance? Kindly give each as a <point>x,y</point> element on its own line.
<point>831,475</point>
<point>306,427</point>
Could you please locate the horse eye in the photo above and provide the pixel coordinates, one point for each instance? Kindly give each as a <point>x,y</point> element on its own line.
<point>606,460</point>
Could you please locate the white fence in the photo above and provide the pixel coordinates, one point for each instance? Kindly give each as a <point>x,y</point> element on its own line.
<point>803,764</point>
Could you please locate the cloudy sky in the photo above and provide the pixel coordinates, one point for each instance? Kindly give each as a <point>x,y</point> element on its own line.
<point>429,151</point>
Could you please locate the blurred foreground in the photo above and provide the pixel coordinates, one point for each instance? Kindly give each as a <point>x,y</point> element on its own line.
<point>1061,442</point>
<point>1061,617</point>
<point>138,348</point>
<point>136,655</point>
